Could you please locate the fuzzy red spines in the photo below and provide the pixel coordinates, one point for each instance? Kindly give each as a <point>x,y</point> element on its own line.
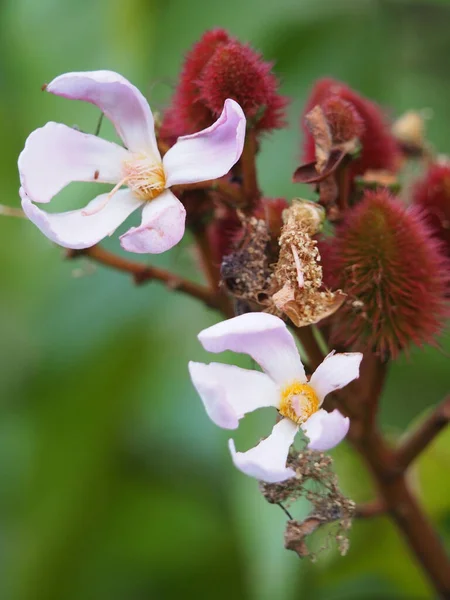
<point>220,67</point>
<point>344,120</point>
<point>394,272</point>
<point>432,193</point>
<point>379,148</point>
<point>188,113</point>
<point>238,72</point>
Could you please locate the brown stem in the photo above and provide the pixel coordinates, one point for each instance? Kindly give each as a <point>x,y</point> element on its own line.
<point>375,508</point>
<point>406,512</point>
<point>310,345</point>
<point>212,272</point>
<point>249,175</point>
<point>425,433</point>
<point>231,192</point>
<point>143,273</point>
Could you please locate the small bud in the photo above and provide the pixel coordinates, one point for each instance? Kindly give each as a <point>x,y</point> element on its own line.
<point>409,131</point>
<point>432,193</point>
<point>394,274</point>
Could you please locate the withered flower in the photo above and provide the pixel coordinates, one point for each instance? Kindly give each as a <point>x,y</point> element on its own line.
<point>300,294</point>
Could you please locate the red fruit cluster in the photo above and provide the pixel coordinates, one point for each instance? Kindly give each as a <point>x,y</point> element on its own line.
<point>394,273</point>
<point>432,193</point>
<point>220,67</point>
<point>350,115</point>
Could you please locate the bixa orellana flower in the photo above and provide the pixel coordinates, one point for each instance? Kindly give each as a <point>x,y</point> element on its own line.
<point>229,392</point>
<point>56,155</point>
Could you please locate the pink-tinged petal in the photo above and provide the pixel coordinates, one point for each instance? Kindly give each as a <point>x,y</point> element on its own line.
<point>336,371</point>
<point>263,336</point>
<point>75,230</point>
<point>229,392</point>
<point>210,153</point>
<point>55,155</point>
<point>267,460</point>
<point>162,226</point>
<point>325,430</point>
<point>118,99</point>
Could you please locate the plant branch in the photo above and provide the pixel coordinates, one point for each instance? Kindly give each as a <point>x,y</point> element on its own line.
<point>248,165</point>
<point>425,433</point>
<point>212,272</point>
<point>145,273</point>
<point>374,508</point>
<point>311,346</point>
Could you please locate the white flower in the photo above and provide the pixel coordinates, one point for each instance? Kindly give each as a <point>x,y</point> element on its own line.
<point>55,155</point>
<point>229,392</point>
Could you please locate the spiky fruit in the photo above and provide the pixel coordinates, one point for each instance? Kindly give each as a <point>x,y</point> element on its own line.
<point>343,119</point>
<point>220,67</point>
<point>432,193</point>
<point>355,116</point>
<point>394,273</point>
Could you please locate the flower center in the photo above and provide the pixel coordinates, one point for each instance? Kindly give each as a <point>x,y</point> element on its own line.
<point>298,402</point>
<point>144,176</point>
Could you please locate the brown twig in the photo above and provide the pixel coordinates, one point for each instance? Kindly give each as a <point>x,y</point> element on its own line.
<point>248,165</point>
<point>375,508</point>
<point>311,346</point>
<point>144,273</point>
<point>406,512</point>
<point>425,433</point>
<point>231,192</point>
<point>212,272</point>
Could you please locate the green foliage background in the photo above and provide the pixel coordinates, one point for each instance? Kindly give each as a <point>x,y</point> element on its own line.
<point>113,482</point>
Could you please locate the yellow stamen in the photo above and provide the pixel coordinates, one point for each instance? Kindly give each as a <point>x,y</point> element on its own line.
<point>298,402</point>
<point>145,177</point>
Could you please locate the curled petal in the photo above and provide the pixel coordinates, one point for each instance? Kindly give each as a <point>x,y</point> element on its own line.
<point>74,229</point>
<point>264,337</point>
<point>229,392</point>
<point>336,371</point>
<point>267,460</point>
<point>118,99</point>
<point>325,430</point>
<point>162,226</point>
<point>55,155</point>
<point>210,153</point>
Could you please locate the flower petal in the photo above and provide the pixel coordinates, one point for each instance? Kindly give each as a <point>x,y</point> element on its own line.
<point>210,153</point>
<point>118,99</point>
<point>73,229</point>
<point>325,430</point>
<point>263,336</point>
<point>55,155</point>
<point>336,371</point>
<point>162,226</point>
<point>229,392</point>
<point>267,460</point>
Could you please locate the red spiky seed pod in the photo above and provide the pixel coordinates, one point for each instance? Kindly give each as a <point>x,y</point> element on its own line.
<point>238,72</point>
<point>343,119</point>
<point>394,273</point>
<point>379,148</point>
<point>189,113</point>
<point>220,67</point>
<point>432,193</point>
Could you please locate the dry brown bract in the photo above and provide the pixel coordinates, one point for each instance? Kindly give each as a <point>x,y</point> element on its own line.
<point>317,482</point>
<point>298,275</point>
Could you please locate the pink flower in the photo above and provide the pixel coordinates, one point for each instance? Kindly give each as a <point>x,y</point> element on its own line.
<point>56,155</point>
<point>229,392</point>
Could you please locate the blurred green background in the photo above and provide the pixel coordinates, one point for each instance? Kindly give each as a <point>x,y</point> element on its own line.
<point>113,482</point>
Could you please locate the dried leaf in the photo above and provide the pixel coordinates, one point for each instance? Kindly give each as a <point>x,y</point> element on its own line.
<point>318,126</point>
